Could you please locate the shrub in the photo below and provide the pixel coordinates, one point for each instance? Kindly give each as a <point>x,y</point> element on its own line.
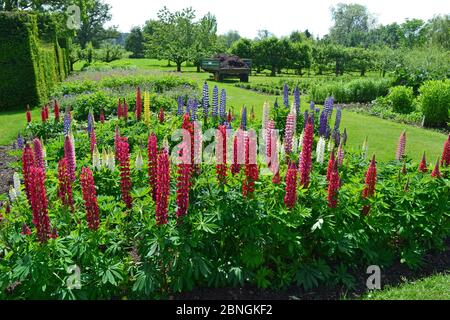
<point>358,90</point>
<point>401,99</point>
<point>81,104</point>
<point>434,101</point>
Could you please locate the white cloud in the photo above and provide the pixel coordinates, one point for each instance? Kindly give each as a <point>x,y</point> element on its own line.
<point>278,16</point>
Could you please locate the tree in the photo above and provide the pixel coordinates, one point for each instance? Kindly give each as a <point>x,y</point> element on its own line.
<point>439,31</point>
<point>351,24</point>
<point>94,14</point>
<point>135,43</point>
<point>174,36</point>
<point>360,59</point>
<point>205,38</point>
<point>299,56</point>
<point>413,33</point>
<point>243,48</point>
<point>270,53</point>
<point>228,39</point>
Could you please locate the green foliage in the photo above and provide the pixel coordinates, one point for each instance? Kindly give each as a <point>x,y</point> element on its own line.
<point>401,99</point>
<point>135,43</point>
<point>419,65</point>
<point>358,90</point>
<point>434,101</point>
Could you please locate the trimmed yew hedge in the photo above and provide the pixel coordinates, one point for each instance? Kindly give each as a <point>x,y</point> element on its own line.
<point>30,66</point>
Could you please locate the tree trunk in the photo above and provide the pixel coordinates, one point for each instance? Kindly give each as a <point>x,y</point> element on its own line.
<point>178,66</point>
<point>273,71</point>
<point>168,63</point>
<point>362,73</point>
<point>383,73</point>
<point>198,67</point>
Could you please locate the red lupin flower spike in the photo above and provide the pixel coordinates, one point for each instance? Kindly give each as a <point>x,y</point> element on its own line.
<point>27,163</point>
<point>251,168</point>
<point>401,147</point>
<point>423,164</point>
<point>56,110</point>
<point>236,166</point>
<point>39,204</point>
<point>436,173</point>
<point>333,186</point>
<point>119,109</point>
<point>306,160</point>
<point>65,185</point>
<point>93,140</point>
<point>161,115</point>
<point>38,154</point>
<point>183,186</point>
<point>276,178</point>
<point>370,181</point>
<point>102,116</point>
<point>290,197</point>
<point>125,173</point>
<point>445,161</point>
<point>330,165</point>
<point>28,114</point>
<point>221,153</point>
<point>162,187</point>
<point>90,198</point>
<point>138,104</point>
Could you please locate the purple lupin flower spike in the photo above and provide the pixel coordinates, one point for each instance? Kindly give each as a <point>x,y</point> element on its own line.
<point>312,106</point>
<point>215,102</point>
<point>297,101</point>
<point>275,105</point>
<point>223,104</point>
<point>180,102</point>
<point>328,106</point>
<point>323,123</point>
<point>189,106</point>
<point>336,137</point>
<point>67,122</point>
<point>244,119</point>
<point>20,141</point>
<point>305,118</point>
<point>337,123</point>
<point>205,100</point>
<point>194,110</point>
<point>344,137</point>
<point>90,125</point>
<point>286,95</point>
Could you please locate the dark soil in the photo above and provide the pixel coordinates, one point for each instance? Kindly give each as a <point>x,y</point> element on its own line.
<point>6,173</point>
<point>435,262</point>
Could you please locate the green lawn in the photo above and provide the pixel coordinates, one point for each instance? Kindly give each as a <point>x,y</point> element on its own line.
<point>11,122</point>
<point>433,288</point>
<point>382,134</point>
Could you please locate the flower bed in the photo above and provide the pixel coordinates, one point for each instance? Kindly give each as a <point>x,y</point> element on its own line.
<point>136,210</point>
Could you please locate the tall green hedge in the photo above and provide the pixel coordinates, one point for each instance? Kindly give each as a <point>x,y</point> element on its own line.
<point>29,66</point>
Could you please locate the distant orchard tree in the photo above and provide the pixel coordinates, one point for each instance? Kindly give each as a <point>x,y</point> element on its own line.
<point>135,43</point>
<point>243,48</point>
<point>299,56</point>
<point>228,39</point>
<point>351,24</point>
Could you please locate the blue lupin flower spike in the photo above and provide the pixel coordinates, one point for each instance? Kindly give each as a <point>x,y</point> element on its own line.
<point>286,95</point>
<point>205,99</point>
<point>215,101</point>
<point>223,104</point>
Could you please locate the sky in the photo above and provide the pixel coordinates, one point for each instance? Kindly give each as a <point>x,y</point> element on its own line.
<point>278,16</point>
